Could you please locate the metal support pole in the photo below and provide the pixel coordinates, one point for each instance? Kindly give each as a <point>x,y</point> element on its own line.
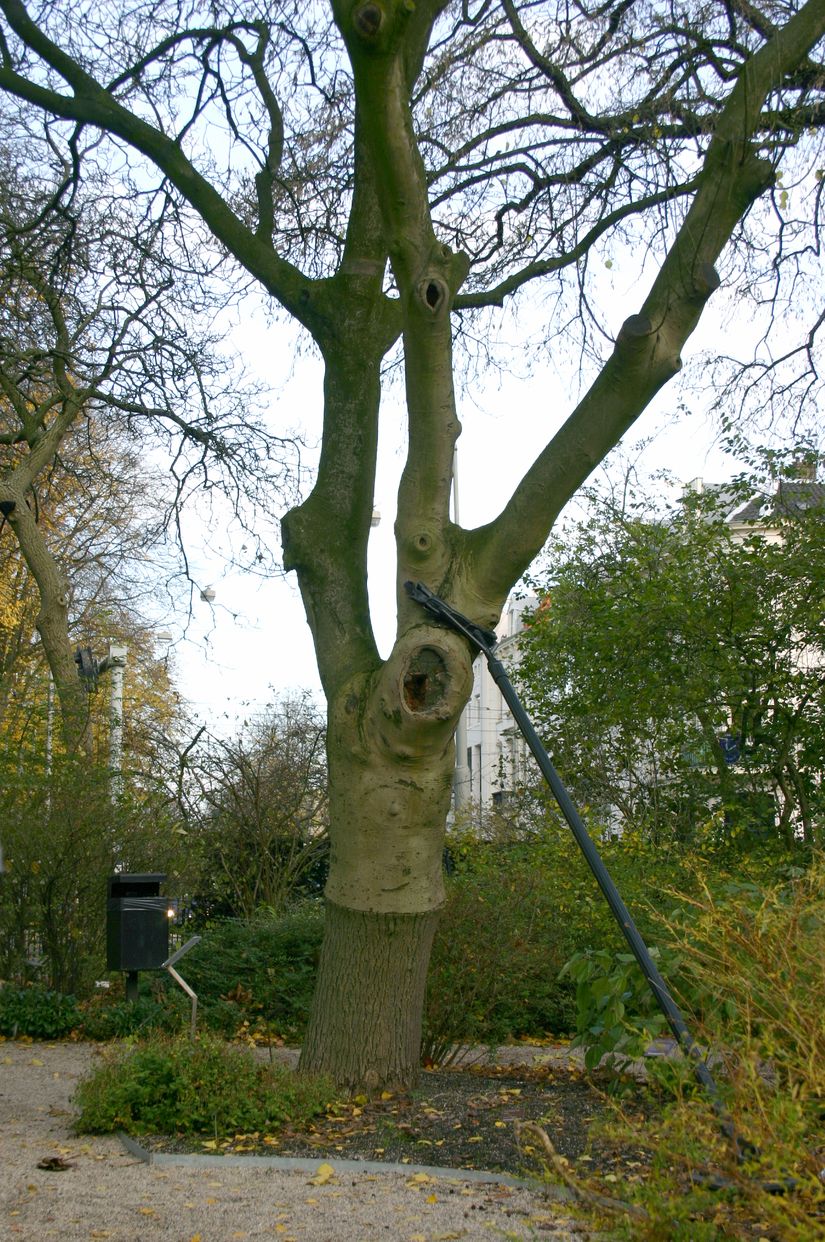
<point>485,640</point>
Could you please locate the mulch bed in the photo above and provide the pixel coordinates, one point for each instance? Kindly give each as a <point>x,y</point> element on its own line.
<point>460,1119</point>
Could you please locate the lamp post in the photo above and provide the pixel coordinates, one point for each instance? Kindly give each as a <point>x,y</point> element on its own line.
<point>89,670</point>
<point>115,662</point>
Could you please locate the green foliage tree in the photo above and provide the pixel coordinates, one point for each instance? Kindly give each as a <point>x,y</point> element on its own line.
<point>476,151</point>
<point>677,664</point>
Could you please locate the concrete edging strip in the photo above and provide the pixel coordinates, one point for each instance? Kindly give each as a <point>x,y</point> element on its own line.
<point>309,1165</point>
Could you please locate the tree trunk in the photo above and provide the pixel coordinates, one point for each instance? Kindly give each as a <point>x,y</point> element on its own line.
<point>391,758</point>
<point>372,976</point>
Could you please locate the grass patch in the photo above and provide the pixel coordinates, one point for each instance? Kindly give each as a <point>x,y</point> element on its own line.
<point>170,1086</point>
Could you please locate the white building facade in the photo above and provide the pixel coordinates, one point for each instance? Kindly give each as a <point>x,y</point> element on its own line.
<point>494,754</point>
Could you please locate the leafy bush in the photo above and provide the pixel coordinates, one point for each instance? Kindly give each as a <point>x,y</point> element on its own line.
<point>496,957</point>
<point>752,957</point>
<point>171,1086</point>
<point>104,1019</point>
<point>36,1012</point>
<point>518,908</point>
<point>616,1016</point>
<point>521,904</point>
<point>260,971</point>
<point>58,835</point>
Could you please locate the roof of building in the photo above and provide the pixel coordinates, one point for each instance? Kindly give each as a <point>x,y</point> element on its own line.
<point>792,496</point>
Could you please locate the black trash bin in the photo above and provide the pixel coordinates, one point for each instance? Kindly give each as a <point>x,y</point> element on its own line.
<point>137,924</point>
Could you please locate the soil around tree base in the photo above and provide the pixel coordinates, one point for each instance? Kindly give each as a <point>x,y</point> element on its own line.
<point>464,1118</point>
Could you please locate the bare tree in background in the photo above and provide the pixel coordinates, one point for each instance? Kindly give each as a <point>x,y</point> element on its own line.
<point>102,377</point>
<point>260,809</point>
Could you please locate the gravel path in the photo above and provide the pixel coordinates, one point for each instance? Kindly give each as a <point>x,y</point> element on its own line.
<point>109,1193</point>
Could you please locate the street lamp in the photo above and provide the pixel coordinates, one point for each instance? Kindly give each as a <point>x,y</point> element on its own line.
<point>89,670</point>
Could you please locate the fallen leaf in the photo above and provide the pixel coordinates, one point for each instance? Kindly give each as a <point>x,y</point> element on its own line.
<point>324,1174</point>
<point>147,1211</point>
<point>54,1164</point>
<point>432,1198</point>
<point>418,1179</point>
<point>36,1061</point>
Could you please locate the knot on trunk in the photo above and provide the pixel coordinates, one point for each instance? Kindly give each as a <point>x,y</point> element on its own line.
<point>368,20</point>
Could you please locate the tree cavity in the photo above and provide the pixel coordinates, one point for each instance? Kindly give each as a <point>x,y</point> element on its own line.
<point>425,681</point>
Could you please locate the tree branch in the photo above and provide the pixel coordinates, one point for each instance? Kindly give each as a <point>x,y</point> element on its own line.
<point>647,350</point>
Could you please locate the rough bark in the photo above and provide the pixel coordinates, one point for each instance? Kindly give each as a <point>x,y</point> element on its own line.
<point>371,965</point>
<point>53,624</point>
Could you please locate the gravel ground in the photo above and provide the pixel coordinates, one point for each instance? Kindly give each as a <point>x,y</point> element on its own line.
<point>109,1193</point>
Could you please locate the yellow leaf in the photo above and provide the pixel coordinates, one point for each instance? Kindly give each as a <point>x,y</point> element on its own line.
<point>210,1144</point>
<point>418,1179</point>
<point>35,1061</point>
<point>432,1198</point>
<point>386,1095</point>
<point>323,1174</point>
<point>147,1211</point>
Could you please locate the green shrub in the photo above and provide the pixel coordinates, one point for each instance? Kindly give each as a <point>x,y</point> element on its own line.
<point>104,1019</point>
<point>616,1014</point>
<point>36,1012</point>
<point>522,903</point>
<point>260,971</point>
<point>753,956</point>
<point>172,1086</point>
<point>494,972</point>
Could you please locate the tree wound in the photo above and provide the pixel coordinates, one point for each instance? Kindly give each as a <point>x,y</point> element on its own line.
<point>425,681</point>
<point>368,19</point>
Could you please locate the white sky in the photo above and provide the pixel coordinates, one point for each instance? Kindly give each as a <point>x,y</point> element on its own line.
<point>253,644</point>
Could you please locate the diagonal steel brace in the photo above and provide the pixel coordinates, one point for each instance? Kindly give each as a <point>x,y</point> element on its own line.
<point>485,641</point>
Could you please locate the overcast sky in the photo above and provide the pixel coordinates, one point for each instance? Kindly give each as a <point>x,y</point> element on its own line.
<point>253,643</point>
